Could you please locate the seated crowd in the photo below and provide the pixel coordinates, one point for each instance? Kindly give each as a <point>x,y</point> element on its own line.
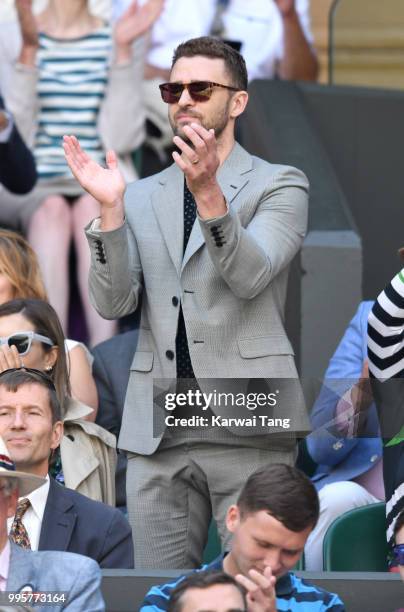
<point>69,497</point>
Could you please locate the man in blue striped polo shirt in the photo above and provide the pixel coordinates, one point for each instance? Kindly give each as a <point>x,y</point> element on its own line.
<point>276,511</point>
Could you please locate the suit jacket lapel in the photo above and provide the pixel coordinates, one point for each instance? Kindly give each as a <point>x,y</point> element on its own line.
<point>232,176</point>
<point>168,205</point>
<point>58,520</point>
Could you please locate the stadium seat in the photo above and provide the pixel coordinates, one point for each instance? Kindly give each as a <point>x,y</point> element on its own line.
<point>356,541</point>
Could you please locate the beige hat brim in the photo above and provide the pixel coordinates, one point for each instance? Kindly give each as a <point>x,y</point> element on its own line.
<point>26,482</point>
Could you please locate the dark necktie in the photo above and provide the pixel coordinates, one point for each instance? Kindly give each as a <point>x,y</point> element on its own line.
<point>184,366</point>
<point>18,533</point>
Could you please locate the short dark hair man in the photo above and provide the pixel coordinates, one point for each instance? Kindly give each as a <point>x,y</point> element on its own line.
<point>207,243</point>
<point>214,591</point>
<point>73,580</point>
<point>275,513</point>
<point>55,517</point>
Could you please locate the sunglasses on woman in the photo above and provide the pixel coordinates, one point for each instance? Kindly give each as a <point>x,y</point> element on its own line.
<point>199,91</point>
<point>23,341</point>
<point>398,553</point>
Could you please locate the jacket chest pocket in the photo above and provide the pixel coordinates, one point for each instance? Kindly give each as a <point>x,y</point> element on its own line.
<point>262,346</point>
<point>142,361</point>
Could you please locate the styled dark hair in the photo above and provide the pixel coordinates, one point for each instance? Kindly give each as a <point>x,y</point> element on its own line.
<point>46,322</point>
<point>399,523</point>
<point>285,493</point>
<point>202,580</point>
<point>216,49</point>
<point>15,378</point>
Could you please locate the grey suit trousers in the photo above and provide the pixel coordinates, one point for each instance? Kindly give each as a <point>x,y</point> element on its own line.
<point>173,494</point>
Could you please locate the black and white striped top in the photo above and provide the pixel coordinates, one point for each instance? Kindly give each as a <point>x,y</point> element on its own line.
<point>386,332</point>
<point>72,81</point>
<point>386,362</point>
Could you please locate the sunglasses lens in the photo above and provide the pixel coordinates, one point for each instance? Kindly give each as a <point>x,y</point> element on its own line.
<point>20,342</point>
<point>171,92</point>
<point>200,91</point>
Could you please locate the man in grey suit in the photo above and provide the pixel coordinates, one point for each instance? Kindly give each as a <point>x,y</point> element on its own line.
<point>72,582</point>
<point>207,243</point>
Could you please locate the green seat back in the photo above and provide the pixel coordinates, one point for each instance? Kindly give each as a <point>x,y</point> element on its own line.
<point>356,541</point>
<point>213,547</point>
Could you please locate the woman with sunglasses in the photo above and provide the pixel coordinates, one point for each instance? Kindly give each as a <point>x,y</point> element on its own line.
<point>31,336</point>
<point>20,277</point>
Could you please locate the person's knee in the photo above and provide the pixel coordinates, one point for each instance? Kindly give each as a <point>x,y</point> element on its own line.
<point>339,497</point>
<point>54,211</point>
<point>85,209</point>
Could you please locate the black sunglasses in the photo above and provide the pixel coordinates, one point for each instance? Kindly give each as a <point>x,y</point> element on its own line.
<point>200,91</point>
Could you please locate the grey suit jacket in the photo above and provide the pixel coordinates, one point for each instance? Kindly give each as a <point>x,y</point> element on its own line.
<point>53,571</point>
<point>231,281</point>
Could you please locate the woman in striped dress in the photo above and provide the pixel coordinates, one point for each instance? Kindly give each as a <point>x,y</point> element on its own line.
<point>386,367</point>
<point>74,75</point>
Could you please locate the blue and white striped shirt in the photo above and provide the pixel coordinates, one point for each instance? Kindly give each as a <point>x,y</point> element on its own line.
<point>73,75</point>
<point>292,594</point>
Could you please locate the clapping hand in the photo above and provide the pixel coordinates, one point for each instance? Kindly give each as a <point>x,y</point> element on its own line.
<point>106,185</point>
<point>135,21</point>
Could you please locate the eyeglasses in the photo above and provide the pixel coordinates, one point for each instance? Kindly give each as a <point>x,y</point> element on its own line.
<point>23,341</point>
<point>200,91</point>
<point>398,553</point>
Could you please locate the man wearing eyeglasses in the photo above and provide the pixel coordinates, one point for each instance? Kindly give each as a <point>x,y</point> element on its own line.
<point>207,243</point>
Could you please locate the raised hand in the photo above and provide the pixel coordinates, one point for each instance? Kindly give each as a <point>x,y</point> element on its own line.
<point>106,185</point>
<point>9,358</point>
<point>260,589</point>
<point>200,162</point>
<point>135,21</point>
<point>28,26</point>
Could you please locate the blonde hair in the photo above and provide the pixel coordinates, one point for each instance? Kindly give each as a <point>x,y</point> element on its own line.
<point>19,263</point>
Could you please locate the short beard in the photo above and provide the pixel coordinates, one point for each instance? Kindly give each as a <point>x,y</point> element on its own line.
<point>218,124</point>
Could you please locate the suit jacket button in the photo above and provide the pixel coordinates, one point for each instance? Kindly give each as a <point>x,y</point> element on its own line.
<point>175,300</point>
<point>374,458</point>
<point>170,355</point>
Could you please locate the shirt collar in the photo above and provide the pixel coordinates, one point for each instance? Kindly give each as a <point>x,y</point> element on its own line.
<point>5,561</point>
<point>38,498</point>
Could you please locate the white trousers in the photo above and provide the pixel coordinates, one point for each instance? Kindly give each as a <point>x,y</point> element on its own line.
<point>335,499</point>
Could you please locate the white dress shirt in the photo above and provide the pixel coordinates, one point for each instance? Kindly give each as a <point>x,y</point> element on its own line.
<point>32,519</point>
